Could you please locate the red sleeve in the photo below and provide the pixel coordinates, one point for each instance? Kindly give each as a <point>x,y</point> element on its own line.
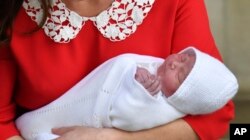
<point>192,29</point>
<point>7,80</point>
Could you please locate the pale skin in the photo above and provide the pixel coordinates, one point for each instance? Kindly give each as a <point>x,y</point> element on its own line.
<point>89,8</point>
<point>170,131</point>
<point>170,74</point>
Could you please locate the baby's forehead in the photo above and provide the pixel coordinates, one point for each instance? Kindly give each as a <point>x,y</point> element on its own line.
<point>190,52</point>
<point>190,62</point>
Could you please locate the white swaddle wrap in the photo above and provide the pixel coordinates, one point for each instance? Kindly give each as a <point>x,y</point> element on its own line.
<point>108,97</point>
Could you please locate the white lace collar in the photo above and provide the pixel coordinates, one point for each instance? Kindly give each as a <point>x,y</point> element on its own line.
<point>116,23</point>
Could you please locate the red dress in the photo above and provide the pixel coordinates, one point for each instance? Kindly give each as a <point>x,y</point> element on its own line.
<point>36,69</point>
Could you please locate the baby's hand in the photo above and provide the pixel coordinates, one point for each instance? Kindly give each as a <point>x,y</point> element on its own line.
<point>148,80</point>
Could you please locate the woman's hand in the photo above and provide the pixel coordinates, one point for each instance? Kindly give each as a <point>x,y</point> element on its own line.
<point>15,138</point>
<point>86,133</point>
<point>169,131</point>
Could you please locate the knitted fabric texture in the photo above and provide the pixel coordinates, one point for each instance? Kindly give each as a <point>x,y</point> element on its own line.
<point>108,97</point>
<point>208,87</point>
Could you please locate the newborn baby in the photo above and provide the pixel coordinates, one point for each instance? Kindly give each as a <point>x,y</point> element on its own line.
<point>190,82</point>
<point>170,74</point>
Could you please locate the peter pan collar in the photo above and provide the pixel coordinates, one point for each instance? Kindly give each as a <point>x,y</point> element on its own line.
<point>116,23</point>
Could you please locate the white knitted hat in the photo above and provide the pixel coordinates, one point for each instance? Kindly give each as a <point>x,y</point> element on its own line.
<point>208,87</point>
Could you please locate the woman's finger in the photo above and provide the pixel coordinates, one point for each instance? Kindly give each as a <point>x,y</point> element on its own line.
<point>62,130</point>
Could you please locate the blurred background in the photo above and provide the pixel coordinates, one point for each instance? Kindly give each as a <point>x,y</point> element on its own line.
<point>230,25</point>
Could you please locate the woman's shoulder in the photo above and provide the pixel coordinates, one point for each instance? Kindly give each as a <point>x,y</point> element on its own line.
<point>23,23</point>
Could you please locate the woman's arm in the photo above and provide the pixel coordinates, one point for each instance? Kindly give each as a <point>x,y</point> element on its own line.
<point>7,80</point>
<point>178,129</point>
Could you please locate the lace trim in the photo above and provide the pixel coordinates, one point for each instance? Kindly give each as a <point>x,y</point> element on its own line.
<point>116,23</point>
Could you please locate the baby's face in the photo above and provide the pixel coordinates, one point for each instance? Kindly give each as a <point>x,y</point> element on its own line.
<point>174,70</point>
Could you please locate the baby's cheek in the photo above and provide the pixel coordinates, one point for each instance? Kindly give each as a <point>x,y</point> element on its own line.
<point>168,87</point>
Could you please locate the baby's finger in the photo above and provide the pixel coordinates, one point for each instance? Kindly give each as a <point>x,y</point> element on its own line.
<point>145,76</point>
<point>156,90</point>
<point>142,75</point>
<point>154,87</point>
<point>138,77</point>
<point>148,83</point>
<point>151,79</point>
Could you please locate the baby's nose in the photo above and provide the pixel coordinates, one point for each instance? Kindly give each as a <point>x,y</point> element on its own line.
<point>174,64</point>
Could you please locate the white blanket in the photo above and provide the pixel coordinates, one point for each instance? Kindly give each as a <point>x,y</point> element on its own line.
<point>108,97</point>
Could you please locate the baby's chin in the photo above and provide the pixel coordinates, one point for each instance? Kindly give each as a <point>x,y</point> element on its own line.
<point>167,94</point>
